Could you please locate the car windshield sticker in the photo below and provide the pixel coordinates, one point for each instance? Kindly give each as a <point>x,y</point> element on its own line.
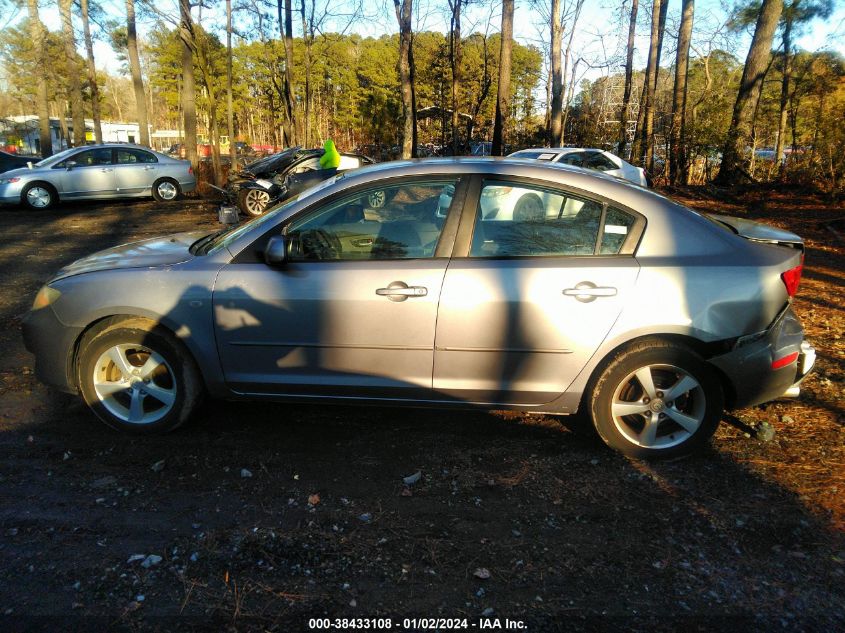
<point>616,228</point>
<point>546,156</point>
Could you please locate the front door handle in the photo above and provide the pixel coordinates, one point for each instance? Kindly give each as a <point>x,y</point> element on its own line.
<point>587,291</point>
<point>400,291</point>
<point>148,168</point>
<point>106,170</point>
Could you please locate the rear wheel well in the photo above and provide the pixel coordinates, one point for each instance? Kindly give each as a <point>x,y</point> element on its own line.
<point>703,349</point>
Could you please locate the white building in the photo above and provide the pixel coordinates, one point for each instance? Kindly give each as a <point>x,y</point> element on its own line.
<point>22,132</point>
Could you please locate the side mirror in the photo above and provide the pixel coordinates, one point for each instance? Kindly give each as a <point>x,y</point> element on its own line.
<point>70,164</point>
<point>276,252</point>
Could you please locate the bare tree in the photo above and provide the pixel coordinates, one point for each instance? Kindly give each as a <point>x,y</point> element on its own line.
<point>92,72</point>
<point>77,112</point>
<point>677,155</point>
<point>230,114</point>
<point>42,106</point>
<point>555,116</point>
<point>733,170</point>
<point>503,94</point>
<point>455,61</point>
<point>404,10</point>
<point>135,70</point>
<point>286,28</point>
<point>640,154</point>
<point>189,95</point>
<point>629,76</point>
<point>573,15</point>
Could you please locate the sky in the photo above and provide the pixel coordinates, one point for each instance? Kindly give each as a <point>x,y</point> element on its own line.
<point>598,42</point>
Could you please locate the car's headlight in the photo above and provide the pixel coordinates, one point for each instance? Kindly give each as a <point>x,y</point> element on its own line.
<point>45,297</point>
<point>6,181</point>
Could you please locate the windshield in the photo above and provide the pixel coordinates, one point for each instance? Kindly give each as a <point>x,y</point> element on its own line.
<point>55,158</point>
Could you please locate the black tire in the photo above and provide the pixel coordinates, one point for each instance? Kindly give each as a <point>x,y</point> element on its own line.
<point>174,378</point>
<point>39,196</point>
<point>529,208</point>
<point>253,202</point>
<point>166,190</point>
<point>654,426</point>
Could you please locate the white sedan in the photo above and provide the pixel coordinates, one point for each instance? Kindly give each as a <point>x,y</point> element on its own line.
<point>596,159</point>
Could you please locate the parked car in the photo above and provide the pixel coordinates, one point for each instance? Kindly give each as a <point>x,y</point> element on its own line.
<point>13,161</point>
<point>650,316</point>
<point>268,176</point>
<point>596,159</point>
<point>112,170</point>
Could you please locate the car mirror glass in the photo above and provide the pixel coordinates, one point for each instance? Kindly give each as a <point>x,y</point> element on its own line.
<point>276,252</point>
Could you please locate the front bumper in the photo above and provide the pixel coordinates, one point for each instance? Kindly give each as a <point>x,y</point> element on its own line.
<point>749,367</point>
<point>53,344</point>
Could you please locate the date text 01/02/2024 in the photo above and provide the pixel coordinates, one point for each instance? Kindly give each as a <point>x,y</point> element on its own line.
<point>416,624</point>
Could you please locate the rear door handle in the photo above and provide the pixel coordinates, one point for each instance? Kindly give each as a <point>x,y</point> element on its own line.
<point>587,291</point>
<point>148,168</point>
<point>400,291</point>
<point>106,170</point>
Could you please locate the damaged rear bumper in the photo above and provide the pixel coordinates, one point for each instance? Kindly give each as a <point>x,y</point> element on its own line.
<point>767,365</point>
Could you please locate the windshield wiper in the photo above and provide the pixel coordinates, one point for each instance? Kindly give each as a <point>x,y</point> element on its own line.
<point>197,247</point>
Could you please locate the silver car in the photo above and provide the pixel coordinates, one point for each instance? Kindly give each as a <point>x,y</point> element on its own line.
<point>604,297</point>
<point>595,159</point>
<point>113,170</point>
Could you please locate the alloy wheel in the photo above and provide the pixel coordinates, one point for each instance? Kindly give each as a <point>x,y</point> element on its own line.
<point>134,383</point>
<point>39,197</point>
<point>167,190</point>
<point>658,406</point>
<point>256,201</point>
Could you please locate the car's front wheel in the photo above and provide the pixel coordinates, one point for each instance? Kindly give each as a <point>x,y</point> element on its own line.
<point>656,399</point>
<point>39,195</point>
<point>136,377</point>
<point>253,201</point>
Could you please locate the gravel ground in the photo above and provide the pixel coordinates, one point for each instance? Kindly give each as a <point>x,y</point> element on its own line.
<point>260,517</point>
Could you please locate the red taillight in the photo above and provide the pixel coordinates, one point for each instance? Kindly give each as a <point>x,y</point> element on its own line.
<point>191,173</point>
<point>792,277</point>
<point>786,360</point>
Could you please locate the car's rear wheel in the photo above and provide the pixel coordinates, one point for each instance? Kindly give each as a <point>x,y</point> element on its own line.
<point>656,399</point>
<point>253,201</point>
<point>166,189</point>
<point>138,378</point>
<point>39,195</point>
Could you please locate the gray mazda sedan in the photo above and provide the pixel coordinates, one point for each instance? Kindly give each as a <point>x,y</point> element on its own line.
<point>112,170</point>
<point>502,284</point>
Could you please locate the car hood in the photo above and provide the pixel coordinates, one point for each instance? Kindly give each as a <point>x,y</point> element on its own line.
<point>158,251</point>
<point>756,231</point>
<point>17,171</point>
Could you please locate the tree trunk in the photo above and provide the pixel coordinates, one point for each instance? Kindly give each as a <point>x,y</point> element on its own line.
<point>230,113</point>
<point>569,91</point>
<point>137,78</point>
<point>677,156</point>
<point>503,96</point>
<point>780,158</point>
<point>189,95</point>
<point>406,78</point>
<point>455,58</point>
<point>750,87</point>
<point>646,115</point>
<point>77,110</point>
<point>36,32</point>
<point>92,73</point>
<point>308,37</point>
<point>629,75</point>
<point>648,130</point>
<point>556,114</point>
<point>286,27</point>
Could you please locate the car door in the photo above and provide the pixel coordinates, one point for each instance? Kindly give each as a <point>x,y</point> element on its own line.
<point>527,299</point>
<point>352,313</point>
<point>88,174</point>
<point>135,170</point>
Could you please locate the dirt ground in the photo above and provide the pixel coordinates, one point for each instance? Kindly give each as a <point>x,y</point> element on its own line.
<point>517,517</point>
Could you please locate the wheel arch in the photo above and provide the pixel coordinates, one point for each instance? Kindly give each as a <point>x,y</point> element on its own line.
<point>105,322</point>
<point>704,349</point>
<point>44,183</point>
